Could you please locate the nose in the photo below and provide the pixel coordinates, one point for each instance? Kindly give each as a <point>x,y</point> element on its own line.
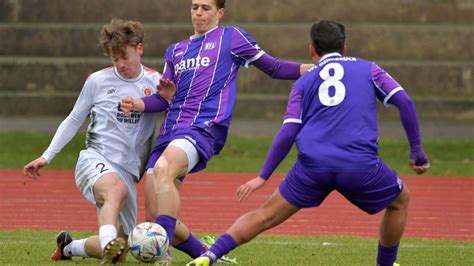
<point>199,11</point>
<point>119,63</point>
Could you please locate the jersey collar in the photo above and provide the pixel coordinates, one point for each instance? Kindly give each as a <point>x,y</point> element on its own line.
<point>130,80</point>
<point>209,31</point>
<point>329,55</point>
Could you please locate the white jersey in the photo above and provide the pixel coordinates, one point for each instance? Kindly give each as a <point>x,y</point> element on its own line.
<point>123,140</point>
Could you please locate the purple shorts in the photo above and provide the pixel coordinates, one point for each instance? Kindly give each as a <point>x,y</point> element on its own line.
<point>371,190</point>
<point>202,140</point>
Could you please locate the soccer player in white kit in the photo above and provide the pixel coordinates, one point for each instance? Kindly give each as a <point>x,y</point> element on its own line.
<point>117,145</point>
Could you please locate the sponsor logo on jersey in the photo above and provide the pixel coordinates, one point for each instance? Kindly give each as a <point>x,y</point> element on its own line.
<point>112,90</point>
<point>191,64</point>
<point>131,118</point>
<point>147,91</point>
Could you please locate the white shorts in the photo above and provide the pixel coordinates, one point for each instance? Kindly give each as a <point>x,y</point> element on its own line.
<point>188,148</point>
<point>90,167</point>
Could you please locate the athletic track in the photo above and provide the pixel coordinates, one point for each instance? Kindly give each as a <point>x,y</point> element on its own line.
<point>440,207</point>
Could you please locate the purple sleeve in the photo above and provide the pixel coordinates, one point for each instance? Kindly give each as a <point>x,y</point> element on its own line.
<point>168,68</point>
<point>155,103</point>
<point>244,47</point>
<point>409,120</point>
<point>280,147</point>
<point>386,85</point>
<point>278,69</point>
<point>293,108</point>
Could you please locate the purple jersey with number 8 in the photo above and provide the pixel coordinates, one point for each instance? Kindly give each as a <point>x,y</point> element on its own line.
<point>336,104</point>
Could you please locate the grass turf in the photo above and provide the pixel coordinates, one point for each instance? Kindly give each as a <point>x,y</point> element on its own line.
<point>23,247</point>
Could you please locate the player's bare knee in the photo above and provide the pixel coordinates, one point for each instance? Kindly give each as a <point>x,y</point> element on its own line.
<point>405,198</point>
<point>117,194</point>
<point>166,172</point>
<point>401,202</point>
<point>160,166</point>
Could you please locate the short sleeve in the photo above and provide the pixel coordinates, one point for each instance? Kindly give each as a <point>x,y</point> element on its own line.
<point>168,72</point>
<point>244,47</point>
<point>293,108</point>
<point>386,85</point>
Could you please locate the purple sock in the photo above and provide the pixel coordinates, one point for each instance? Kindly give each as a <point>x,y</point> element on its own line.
<point>386,256</point>
<point>224,244</point>
<point>168,223</point>
<point>191,246</point>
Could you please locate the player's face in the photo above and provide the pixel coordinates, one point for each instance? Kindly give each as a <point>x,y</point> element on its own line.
<point>129,65</point>
<point>205,15</point>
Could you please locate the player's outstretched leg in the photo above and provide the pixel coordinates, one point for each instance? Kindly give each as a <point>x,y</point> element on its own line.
<point>62,239</point>
<point>208,241</point>
<point>113,250</point>
<point>275,211</point>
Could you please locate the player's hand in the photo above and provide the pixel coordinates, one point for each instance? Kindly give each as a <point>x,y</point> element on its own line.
<point>419,162</point>
<point>244,191</point>
<point>31,170</point>
<point>129,104</point>
<point>166,89</point>
<point>126,105</point>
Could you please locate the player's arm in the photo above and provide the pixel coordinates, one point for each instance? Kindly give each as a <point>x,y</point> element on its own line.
<point>65,132</point>
<point>280,147</point>
<point>418,160</point>
<point>390,92</point>
<point>157,102</point>
<point>281,69</point>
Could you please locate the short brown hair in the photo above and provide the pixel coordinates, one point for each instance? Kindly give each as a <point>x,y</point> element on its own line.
<point>118,34</point>
<point>220,3</point>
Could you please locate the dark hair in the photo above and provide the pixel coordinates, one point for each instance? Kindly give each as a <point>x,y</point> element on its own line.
<point>220,3</point>
<point>118,34</point>
<point>328,36</point>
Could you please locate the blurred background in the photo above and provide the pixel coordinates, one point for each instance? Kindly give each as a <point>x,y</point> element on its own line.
<point>49,47</point>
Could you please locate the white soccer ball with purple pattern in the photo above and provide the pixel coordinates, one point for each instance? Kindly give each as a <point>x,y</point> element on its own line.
<point>148,242</point>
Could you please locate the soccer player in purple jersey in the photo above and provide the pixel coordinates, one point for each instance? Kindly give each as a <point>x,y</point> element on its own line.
<point>331,115</point>
<point>204,70</point>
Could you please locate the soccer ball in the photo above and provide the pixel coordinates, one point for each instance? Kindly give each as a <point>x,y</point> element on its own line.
<point>148,242</point>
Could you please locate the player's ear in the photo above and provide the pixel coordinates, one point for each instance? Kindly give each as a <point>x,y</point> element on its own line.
<point>313,54</point>
<point>344,50</point>
<point>140,48</point>
<point>220,13</point>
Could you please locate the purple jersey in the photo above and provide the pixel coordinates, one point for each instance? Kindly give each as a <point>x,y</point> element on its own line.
<point>204,69</point>
<point>336,104</point>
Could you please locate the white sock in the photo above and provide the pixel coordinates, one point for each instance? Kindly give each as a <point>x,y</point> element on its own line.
<point>76,248</point>
<point>107,233</point>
